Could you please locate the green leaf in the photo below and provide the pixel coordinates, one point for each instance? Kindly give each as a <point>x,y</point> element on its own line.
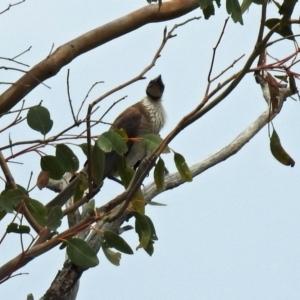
<point>205,3</point>
<point>5,205</point>
<point>113,240</point>
<point>159,175</point>
<point>81,254</point>
<point>209,11</point>
<point>81,186</point>
<point>84,148</point>
<point>38,118</point>
<point>234,9</point>
<point>258,2</point>
<point>66,158</point>
<point>283,30</point>
<point>63,245</point>
<point>150,249</point>
<point>38,211</point>
<point>138,202</point>
<point>155,203</point>
<point>121,132</point>
<point>98,163</point>
<point>286,10</point>
<point>153,232</point>
<point>14,196</point>
<point>277,4</point>
<point>182,167</point>
<point>143,229</point>
<point>50,163</point>
<point>113,257</point>
<point>282,78</point>
<point>54,218</point>
<point>111,140</point>
<point>11,198</point>
<point>126,175</point>
<point>278,152</point>
<point>152,141</point>
<point>16,228</point>
<point>245,5</point>
<point>2,213</point>
<point>124,172</point>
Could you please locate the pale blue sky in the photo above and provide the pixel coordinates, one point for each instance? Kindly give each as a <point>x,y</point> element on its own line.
<point>233,233</point>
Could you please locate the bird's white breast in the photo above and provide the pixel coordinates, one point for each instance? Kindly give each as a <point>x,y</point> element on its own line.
<point>157,113</point>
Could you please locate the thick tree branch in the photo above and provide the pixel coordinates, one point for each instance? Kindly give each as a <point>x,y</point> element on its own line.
<point>174,180</point>
<point>88,41</point>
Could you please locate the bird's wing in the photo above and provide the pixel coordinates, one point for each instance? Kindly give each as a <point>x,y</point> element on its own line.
<point>129,120</point>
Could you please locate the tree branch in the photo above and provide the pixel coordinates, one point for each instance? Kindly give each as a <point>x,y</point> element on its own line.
<point>88,41</point>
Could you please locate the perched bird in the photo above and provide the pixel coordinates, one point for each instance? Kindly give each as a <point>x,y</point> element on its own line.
<point>144,117</point>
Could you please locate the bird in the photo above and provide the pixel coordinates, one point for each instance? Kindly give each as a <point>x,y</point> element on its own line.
<point>144,117</point>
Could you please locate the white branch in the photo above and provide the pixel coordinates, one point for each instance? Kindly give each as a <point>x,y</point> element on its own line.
<point>174,180</point>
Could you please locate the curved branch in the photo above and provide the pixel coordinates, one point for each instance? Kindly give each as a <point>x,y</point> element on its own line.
<point>88,41</point>
<point>174,180</point>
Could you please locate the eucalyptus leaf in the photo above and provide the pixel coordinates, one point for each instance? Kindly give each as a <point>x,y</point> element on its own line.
<point>38,118</point>
<point>81,254</point>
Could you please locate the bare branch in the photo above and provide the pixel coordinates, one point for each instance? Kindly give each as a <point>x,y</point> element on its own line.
<point>27,50</point>
<point>215,50</point>
<point>22,84</point>
<point>21,109</point>
<point>108,110</point>
<point>69,97</point>
<point>175,180</point>
<point>51,50</point>
<point>95,38</point>
<point>11,5</point>
<point>77,117</point>
<point>14,58</point>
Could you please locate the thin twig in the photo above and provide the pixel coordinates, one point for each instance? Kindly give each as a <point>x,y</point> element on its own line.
<point>51,50</point>
<point>109,109</point>
<point>82,103</point>
<point>262,22</point>
<point>31,173</point>
<point>15,122</point>
<point>27,50</point>
<point>11,5</point>
<point>229,67</point>
<point>166,37</point>
<point>3,82</point>
<point>27,72</point>
<point>69,97</point>
<point>13,59</point>
<point>21,109</point>
<point>215,51</point>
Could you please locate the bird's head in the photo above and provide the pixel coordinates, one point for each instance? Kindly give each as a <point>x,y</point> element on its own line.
<point>155,88</point>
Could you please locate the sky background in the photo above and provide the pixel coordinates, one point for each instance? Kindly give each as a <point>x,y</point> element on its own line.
<point>232,233</point>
